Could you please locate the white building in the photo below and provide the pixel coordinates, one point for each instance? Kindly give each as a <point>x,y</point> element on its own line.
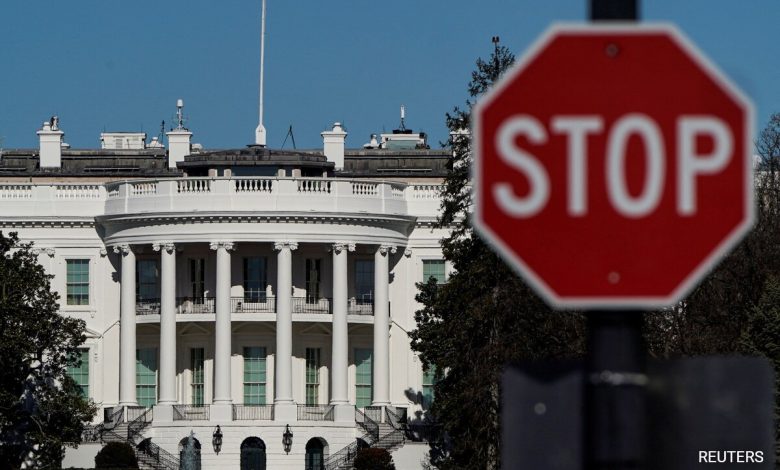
<point>250,289</point>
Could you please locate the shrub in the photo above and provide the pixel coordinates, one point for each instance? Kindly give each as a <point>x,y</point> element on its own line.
<point>374,459</point>
<point>116,455</point>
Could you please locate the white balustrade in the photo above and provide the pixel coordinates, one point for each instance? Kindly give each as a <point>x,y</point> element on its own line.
<point>194,185</point>
<point>143,188</point>
<point>364,189</point>
<point>250,194</point>
<point>253,185</point>
<point>15,191</point>
<point>426,191</point>
<point>77,191</point>
<point>314,186</point>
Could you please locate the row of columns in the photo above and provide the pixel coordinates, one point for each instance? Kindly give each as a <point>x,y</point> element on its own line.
<point>223,334</point>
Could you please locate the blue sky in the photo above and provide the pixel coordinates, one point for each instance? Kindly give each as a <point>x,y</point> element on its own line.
<point>121,65</point>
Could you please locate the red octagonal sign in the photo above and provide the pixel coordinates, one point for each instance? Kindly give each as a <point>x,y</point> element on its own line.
<point>613,166</point>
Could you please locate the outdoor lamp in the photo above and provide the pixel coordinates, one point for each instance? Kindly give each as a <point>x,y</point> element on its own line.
<point>287,439</point>
<point>216,440</point>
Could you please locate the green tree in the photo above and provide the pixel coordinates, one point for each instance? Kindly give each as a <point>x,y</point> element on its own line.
<point>374,459</point>
<point>115,456</point>
<point>41,407</point>
<point>484,316</point>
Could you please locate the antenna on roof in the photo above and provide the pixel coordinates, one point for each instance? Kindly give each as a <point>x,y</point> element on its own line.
<point>180,113</point>
<point>260,131</point>
<point>291,136</point>
<point>403,116</point>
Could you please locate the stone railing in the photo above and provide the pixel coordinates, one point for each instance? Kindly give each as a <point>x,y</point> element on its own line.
<point>28,200</point>
<point>223,195</point>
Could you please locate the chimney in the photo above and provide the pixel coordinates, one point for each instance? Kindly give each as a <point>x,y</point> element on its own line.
<point>333,145</point>
<point>179,138</point>
<point>50,144</point>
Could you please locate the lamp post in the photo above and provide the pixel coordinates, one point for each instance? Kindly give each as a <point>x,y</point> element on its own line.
<point>216,440</point>
<point>287,439</point>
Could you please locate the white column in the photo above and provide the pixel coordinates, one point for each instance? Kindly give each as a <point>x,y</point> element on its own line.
<point>223,333</point>
<point>127,327</point>
<point>381,354</point>
<point>340,348</point>
<point>167,322</point>
<point>283,363</point>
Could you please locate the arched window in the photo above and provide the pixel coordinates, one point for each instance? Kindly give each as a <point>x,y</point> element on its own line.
<point>184,456</point>
<point>253,454</point>
<point>315,453</point>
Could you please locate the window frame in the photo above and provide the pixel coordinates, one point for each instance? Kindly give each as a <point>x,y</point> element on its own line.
<point>312,375</point>
<point>249,294</point>
<point>263,385</point>
<point>430,260</point>
<point>139,284</point>
<point>360,385</point>
<point>84,260</point>
<point>139,383</point>
<point>85,388</point>
<point>200,386</point>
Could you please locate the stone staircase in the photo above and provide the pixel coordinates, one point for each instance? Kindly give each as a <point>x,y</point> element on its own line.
<point>149,455</point>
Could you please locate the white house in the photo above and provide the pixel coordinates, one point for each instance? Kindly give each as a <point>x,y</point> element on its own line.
<point>261,292</point>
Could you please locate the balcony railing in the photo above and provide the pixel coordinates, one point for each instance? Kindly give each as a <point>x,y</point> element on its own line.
<point>253,412</point>
<point>360,306</point>
<point>190,412</point>
<point>311,305</point>
<point>253,304</point>
<point>194,304</point>
<point>315,412</point>
<point>142,412</point>
<point>147,306</point>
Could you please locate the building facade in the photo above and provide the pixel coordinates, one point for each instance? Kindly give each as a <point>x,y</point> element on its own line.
<point>262,295</point>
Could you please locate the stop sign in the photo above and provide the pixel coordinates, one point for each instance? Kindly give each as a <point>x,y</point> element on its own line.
<point>613,166</point>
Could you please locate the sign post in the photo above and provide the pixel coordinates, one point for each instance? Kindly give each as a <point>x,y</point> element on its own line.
<point>615,411</point>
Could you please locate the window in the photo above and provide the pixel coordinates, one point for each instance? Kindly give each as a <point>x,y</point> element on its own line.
<point>196,363</point>
<point>363,395</point>
<point>312,375</point>
<point>313,280</point>
<point>148,276</point>
<point>434,268</point>
<point>430,377</point>
<point>146,376</point>
<point>255,280</point>
<point>364,281</point>
<point>80,372</point>
<point>77,289</point>
<point>254,376</point>
<point>198,277</point>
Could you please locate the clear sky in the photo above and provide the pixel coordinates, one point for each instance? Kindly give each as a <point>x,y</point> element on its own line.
<point>121,65</point>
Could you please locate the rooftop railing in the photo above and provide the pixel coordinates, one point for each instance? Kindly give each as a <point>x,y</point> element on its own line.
<point>217,194</point>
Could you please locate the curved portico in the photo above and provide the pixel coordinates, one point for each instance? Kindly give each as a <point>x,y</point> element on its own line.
<point>162,225</point>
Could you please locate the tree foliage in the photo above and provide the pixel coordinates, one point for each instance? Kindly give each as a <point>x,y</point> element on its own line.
<point>373,459</point>
<point>116,455</point>
<point>41,407</point>
<point>484,316</point>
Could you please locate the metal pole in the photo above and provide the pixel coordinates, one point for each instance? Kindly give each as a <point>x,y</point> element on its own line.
<point>615,416</point>
<point>615,391</point>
